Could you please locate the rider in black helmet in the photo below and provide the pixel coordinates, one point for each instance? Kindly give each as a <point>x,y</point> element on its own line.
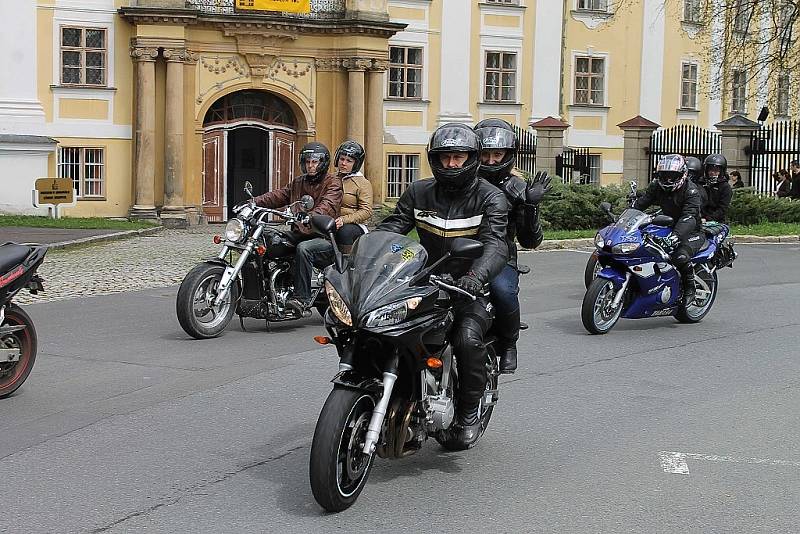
<point>718,190</point>
<point>455,203</point>
<point>695,169</point>
<point>499,147</point>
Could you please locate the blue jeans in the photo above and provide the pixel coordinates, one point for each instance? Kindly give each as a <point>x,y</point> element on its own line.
<point>313,252</point>
<point>505,291</point>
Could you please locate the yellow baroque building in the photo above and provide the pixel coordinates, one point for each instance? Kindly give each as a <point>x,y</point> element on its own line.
<point>163,108</point>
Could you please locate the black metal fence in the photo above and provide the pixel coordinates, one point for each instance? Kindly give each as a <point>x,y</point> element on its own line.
<point>772,149</point>
<point>685,139</point>
<point>526,157</point>
<point>572,165</point>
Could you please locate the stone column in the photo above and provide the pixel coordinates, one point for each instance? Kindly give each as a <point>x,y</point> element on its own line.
<point>174,213</point>
<point>356,69</point>
<point>375,158</point>
<point>145,106</point>
<point>636,144</point>
<point>735,141</point>
<point>549,143</point>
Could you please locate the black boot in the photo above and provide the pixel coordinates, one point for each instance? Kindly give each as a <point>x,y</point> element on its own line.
<point>689,288</point>
<point>506,326</point>
<point>467,429</point>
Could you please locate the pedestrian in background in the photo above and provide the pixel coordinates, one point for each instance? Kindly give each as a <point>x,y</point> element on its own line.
<point>794,190</point>
<point>784,183</point>
<point>736,180</point>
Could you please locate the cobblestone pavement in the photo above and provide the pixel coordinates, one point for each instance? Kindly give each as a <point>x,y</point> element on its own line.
<point>157,260</point>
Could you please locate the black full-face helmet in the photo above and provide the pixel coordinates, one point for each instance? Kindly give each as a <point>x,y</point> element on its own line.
<point>319,152</point>
<point>695,168</point>
<point>351,149</point>
<point>454,137</point>
<point>715,162</point>
<point>497,134</point>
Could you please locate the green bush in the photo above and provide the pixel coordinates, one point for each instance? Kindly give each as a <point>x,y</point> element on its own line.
<point>748,208</point>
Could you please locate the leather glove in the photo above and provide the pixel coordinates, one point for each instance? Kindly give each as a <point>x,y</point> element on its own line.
<point>470,283</point>
<point>670,242</point>
<point>537,188</point>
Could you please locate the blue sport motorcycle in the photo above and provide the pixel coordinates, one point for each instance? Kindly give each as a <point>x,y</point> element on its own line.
<point>637,278</point>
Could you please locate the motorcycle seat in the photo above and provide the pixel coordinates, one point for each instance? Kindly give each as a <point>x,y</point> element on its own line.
<point>713,229</point>
<point>12,255</point>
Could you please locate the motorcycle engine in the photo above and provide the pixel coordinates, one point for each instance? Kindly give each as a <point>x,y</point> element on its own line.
<point>441,411</point>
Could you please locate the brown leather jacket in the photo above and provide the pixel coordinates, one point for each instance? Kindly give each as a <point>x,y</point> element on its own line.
<point>327,195</point>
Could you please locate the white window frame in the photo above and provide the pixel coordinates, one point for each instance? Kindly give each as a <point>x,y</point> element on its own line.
<point>81,181</point>
<point>691,11</point>
<point>82,50</point>
<point>592,56</point>
<point>589,5</point>
<point>503,2</point>
<point>741,16</point>
<point>693,105</point>
<point>405,180</point>
<point>595,171</point>
<point>738,87</point>
<point>783,94</point>
<point>405,67</point>
<point>484,70</point>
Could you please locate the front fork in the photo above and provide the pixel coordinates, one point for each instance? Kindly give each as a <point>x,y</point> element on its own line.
<point>231,272</point>
<point>379,413</point>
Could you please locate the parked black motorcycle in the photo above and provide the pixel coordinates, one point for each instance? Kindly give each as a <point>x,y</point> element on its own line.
<point>18,265</point>
<point>390,320</point>
<point>255,284</point>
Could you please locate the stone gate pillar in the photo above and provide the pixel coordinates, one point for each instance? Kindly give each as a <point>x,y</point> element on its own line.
<point>549,142</point>
<point>735,142</point>
<point>636,144</point>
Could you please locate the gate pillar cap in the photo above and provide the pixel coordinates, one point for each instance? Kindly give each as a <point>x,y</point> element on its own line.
<point>638,122</point>
<point>737,122</point>
<point>549,123</point>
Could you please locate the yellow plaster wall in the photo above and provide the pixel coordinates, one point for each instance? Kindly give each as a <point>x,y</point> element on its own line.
<point>404,118</point>
<point>123,73</point>
<point>434,71</point>
<point>587,123</point>
<point>168,31</point>
<point>502,21</point>
<point>679,48</point>
<point>44,53</point>
<point>406,13</point>
<point>74,108</point>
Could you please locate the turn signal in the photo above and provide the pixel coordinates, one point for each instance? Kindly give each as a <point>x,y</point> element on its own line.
<point>261,250</point>
<point>217,240</point>
<point>434,363</point>
<point>323,340</point>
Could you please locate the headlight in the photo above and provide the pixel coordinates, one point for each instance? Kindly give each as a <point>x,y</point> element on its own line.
<point>599,241</point>
<point>234,230</point>
<point>338,306</point>
<point>391,313</point>
<point>624,248</point>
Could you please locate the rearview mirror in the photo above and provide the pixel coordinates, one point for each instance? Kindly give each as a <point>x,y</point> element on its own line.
<point>248,188</point>
<point>605,206</point>
<point>307,202</point>
<point>322,224</point>
<point>662,220</point>
<point>467,249</point>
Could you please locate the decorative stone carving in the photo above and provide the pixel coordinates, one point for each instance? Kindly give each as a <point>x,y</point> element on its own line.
<point>143,53</point>
<point>295,69</point>
<point>328,63</point>
<point>179,55</point>
<point>357,63</point>
<point>221,65</point>
<point>380,64</point>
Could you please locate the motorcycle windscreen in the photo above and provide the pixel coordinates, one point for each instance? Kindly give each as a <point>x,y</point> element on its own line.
<point>379,268</point>
<point>630,220</point>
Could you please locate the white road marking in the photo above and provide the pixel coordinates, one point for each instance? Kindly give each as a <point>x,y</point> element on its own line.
<point>676,462</point>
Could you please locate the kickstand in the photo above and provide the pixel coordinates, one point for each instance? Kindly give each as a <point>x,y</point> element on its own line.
<point>241,322</point>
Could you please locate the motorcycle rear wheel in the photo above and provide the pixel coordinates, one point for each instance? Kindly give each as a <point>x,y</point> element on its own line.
<point>338,468</point>
<point>704,298</point>
<point>596,313</point>
<point>196,314</point>
<point>13,374</point>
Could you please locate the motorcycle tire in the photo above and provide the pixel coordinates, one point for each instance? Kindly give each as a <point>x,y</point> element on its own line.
<point>338,468</point>
<point>595,300</point>
<point>13,374</point>
<point>694,314</point>
<point>592,268</point>
<point>198,287</point>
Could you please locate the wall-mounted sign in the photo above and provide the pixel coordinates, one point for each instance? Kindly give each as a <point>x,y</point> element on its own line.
<point>55,191</point>
<point>287,6</point>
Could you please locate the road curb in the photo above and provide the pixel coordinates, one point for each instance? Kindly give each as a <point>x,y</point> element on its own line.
<point>106,237</point>
<point>561,244</point>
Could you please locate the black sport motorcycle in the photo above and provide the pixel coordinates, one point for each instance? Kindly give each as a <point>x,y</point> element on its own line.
<point>397,385</point>
<point>251,276</point>
<point>18,265</point>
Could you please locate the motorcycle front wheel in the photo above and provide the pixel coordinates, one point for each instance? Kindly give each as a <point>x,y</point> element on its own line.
<point>13,374</point>
<point>592,268</point>
<point>597,314</point>
<point>195,303</point>
<point>338,468</point>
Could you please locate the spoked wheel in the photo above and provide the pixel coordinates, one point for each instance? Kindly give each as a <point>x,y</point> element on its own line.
<point>22,342</point>
<point>597,313</point>
<point>197,314</point>
<point>592,268</point>
<point>704,297</point>
<point>339,468</point>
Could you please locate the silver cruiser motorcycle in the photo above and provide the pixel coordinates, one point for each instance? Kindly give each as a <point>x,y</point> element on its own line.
<point>251,276</point>
<point>397,385</point>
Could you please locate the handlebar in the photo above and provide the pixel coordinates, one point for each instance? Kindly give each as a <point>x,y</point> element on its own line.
<point>444,285</point>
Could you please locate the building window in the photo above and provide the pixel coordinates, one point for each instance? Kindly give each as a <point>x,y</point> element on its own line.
<point>742,16</point>
<point>688,86</point>
<point>739,91</point>
<point>83,56</point>
<point>589,81</point>
<point>782,96</point>
<point>403,169</point>
<point>593,5</point>
<point>405,72</point>
<point>691,11</point>
<point>504,2</point>
<point>85,167</point>
<point>501,77</point>
<point>595,164</point>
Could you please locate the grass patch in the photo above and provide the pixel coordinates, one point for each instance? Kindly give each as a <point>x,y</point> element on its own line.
<point>569,234</point>
<point>93,223</point>
<point>766,229</point>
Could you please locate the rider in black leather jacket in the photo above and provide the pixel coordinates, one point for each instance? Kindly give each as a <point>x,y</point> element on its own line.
<point>499,146</point>
<point>681,199</point>
<point>456,203</point>
<point>718,190</point>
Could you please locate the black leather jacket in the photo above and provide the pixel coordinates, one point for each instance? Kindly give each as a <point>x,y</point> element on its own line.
<point>480,212</point>
<point>682,205</point>
<point>523,219</point>
<point>717,201</point>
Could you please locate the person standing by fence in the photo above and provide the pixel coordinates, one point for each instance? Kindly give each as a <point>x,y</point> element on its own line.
<point>784,183</point>
<point>736,180</point>
<point>794,191</point>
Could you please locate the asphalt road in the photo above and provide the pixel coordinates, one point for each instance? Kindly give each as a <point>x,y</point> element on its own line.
<point>127,425</point>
